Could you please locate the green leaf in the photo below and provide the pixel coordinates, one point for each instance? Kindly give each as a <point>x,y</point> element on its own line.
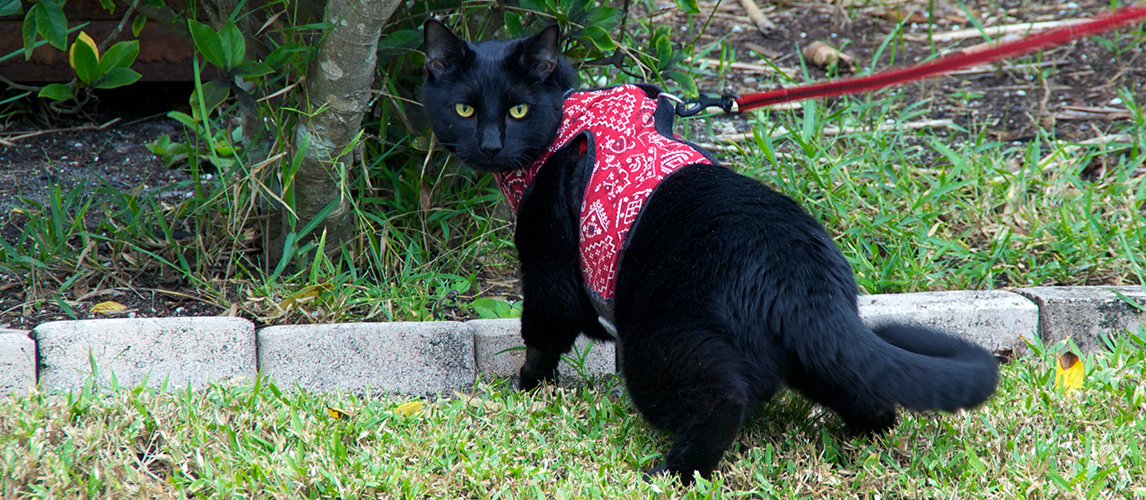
<point>487,308</point>
<point>51,23</point>
<point>85,62</point>
<point>10,7</point>
<point>973,459</point>
<point>404,39</point>
<point>688,6</point>
<point>117,77</point>
<point>284,53</point>
<point>232,44</point>
<point>251,69</point>
<point>137,24</point>
<point>108,4</point>
<point>56,92</point>
<point>214,93</point>
<point>120,55</point>
<point>664,53</point>
<point>513,25</point>
<point>600,38</point>
<point>687,84</point>
<point>182,118</point>
<point>28,32</point>
<point>606,18</point>
<point>207,43</point>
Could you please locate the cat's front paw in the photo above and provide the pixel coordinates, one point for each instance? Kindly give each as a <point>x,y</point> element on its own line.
<point>530,380</point>
<point>540,366</point>
<point>661,471</point>
<point>655,473</point>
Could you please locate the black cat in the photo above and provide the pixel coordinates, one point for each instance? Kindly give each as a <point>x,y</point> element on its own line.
<point>725,291</point>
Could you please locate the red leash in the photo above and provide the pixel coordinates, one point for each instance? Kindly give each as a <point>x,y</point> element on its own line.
<point>945,64</point>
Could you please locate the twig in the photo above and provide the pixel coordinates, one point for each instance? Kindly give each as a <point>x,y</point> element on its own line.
<point>833,130</point>
<point>991,68</point>
<point>17,86</point>
<point>81,128</point>
<point>994,31</point>
<point>1045,118</point>
<point>146,118</point>
<point>1106,139</point>
<point>119,28</point>
<point>170,19</point>
<point>744,66</point>
<point>757,16</point>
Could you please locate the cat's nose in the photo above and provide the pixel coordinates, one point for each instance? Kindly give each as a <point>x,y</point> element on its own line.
<point>490,152</point>
<point>491,142</point>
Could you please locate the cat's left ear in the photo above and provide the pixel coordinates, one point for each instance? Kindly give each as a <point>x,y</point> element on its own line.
<point>542,52</point>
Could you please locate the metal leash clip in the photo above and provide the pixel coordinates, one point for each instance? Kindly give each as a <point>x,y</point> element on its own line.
<point>690,107</point>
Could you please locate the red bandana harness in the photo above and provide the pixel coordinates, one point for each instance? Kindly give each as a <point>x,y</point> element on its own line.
<point>631,157</point>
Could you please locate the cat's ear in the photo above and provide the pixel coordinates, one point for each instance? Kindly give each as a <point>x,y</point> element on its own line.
<point>443,48</point>
<point>542,52</point>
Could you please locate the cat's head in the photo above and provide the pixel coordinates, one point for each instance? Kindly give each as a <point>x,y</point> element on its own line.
<point>496,104</point>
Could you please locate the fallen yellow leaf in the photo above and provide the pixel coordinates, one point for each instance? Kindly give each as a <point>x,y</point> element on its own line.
<point>1068,372</point>
<point>409,409</point>
<point>108,307</point>
<point>337,413</point>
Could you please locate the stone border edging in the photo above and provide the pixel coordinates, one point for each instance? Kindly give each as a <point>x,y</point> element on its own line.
<point>437,357</point>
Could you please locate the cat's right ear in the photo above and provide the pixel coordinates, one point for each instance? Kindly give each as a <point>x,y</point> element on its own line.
<point>542,52</point>
<point>443,48</point>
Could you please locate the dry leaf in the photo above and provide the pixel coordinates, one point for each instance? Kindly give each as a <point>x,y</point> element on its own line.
<point>763,51</point>
<point>409,409</point>
<point>1095,170</point>
<point>897,15</point>
<point>1068,372</point>
<point>479,403</point>
<point>108,307</point>
<point>338,413</point>
<point>824,56</point>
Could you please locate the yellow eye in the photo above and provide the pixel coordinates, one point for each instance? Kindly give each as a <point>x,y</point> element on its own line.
<point>465,110</point>
<point>519,111</point>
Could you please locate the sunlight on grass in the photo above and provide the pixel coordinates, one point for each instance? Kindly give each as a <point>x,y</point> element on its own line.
<point>1030,441</point>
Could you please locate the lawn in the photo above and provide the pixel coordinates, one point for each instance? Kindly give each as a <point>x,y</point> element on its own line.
<point>1007,188</point>
<point>255,439</point>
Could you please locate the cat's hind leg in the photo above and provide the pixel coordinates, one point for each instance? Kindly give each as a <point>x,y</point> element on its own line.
<point>689,383</point>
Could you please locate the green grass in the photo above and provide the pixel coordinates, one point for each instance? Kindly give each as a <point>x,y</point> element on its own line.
<point>260,440</point>
<point>917,211</point>
<point>912,211</point>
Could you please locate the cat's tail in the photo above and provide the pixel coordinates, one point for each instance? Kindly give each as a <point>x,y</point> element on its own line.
<point>914,367</point>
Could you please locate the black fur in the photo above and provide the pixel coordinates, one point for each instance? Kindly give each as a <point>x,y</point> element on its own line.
<point>727,291</point>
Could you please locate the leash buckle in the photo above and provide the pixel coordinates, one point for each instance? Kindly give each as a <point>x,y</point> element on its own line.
<point>692,107</point>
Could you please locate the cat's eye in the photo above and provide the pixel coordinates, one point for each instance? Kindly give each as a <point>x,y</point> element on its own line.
<point>519,111</point>
<point>465,110</point>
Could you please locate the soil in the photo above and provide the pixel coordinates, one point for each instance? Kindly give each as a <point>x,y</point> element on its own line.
<point>1009,98</point>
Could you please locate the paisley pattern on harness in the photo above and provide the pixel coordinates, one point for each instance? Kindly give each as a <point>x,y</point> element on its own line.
<point>631,158</point>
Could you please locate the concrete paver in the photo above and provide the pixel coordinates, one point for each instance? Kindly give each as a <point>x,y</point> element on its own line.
<point>184,351</point>
<point>1086,314</point>
<point>407,358</point>
<point>17,362</point>
<point>497,344</point>
<point>995,319</point>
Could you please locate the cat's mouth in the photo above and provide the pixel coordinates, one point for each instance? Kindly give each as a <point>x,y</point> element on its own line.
<point>498,164</point>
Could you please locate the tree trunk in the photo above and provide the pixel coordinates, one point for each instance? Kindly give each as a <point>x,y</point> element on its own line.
<point>338,84</point>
